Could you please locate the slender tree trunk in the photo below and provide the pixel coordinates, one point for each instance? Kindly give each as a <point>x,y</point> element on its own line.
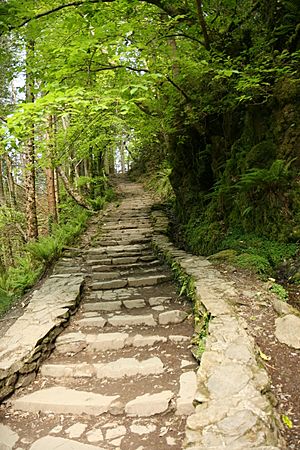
<point>72,191</point>
<point>51,197</point>
<point>111,162</point>
<point>122,157</point>
<point>10,182</point>
<point>2,193</point>
<point>31,215</point>
<point>203,24</point>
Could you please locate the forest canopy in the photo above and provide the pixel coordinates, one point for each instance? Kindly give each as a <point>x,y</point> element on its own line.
<point>201,95</point>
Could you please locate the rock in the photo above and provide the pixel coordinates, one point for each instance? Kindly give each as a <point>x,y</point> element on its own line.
<point>113,433</point>
<point>281,307</point>
<point>113,284</point>
<point>168,317</point>
<point>147,281</point>
<point>186,396</point>
<point>8,438</point>
<point>98,322</point>
<point>288,330</point>
<point>142,341</point>
<point>142,429</point>
<point>157,301</point>
<point>63,401</point>
<point>95,435</point>
<point>223,255</point>
<point>102,306</point>
<point>149,404</point>
<point>53,443</point>
<point>106,341</point>
<point>135,303</point>
<point>227,380</point>
<point>128,367</point>
<point>76,430</point>
<point>124,320</point>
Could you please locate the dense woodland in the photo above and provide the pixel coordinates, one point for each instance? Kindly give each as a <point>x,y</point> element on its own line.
<point>199,98</point>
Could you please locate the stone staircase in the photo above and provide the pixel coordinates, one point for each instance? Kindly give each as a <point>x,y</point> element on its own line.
<point>122,375</point>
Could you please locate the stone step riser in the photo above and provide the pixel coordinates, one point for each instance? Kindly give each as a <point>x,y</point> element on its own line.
<point>131,282</point>
<point>102,342</point>
<point>124,367</point>
<point>130,266</point>
<point>68,401</point>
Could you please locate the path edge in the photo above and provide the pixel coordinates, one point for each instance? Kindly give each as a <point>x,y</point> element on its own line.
<point>31,338</point>
<point>233,404</point>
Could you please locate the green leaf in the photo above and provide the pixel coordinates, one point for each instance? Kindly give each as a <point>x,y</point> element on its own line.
<point>287,421</point>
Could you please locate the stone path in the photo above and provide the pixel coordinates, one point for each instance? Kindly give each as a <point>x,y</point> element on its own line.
<point>122,375</point>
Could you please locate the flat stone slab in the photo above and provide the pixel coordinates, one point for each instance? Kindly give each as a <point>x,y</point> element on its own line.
<point>49,308</point>
<point>187,393</point>
<point>149,404</point>
<point>98,322</point>
<point>123,367</point>
<point>63,401</point>
<point>168,317</point>
<point>157,301</point>
<point>288,330</point>
<point>135,303</point>
<point>121,321</point>
<point>102,306</point>
<point>8,438</point>
<point>147,281</point>
<point>112,284</point>
<point>58,443</point>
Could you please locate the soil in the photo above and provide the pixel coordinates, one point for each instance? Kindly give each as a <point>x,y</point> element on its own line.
<point>281,362</point>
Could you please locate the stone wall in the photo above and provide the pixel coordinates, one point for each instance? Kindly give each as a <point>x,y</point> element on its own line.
<point>232,408</point>
<point>30,340</point>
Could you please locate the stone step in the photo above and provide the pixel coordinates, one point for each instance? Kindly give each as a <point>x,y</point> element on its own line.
<point>148,280</point>
<point>123,241</point>
<point>171,317</point>
<point>124,266</point>
<point>62,400</point>
<point>74,342</point>
<point>138,281</point>
<point>117,273</point>
<point>59,443</point>
<point>117,249</point>
<point>121,258</point>
<point>102,306</point>
<point>123,367</point>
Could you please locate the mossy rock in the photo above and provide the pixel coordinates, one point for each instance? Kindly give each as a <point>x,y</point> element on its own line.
<point>261,155</point>
<point>296,277</point>
<point>223,255</point>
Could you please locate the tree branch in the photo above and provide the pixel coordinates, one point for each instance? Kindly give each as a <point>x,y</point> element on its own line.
<point>168,8</point>
<point>203,24</point>
<point>178,88</point>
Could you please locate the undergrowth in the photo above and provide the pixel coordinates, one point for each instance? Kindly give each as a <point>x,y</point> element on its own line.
<point>37,256</point>
<point>259,254</point>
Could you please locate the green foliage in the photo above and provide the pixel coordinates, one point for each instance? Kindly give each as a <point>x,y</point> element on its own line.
<point>279,291</point>
<point>159,182</point>
<point>254,262</point>
<point>46,248</point>
<point>23,276</point>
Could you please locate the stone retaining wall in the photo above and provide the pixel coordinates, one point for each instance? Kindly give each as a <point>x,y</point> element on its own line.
<point>30,340</point>
<point>232,409</point>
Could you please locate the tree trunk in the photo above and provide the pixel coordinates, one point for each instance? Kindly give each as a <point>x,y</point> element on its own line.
<point>10,182</point>
<point>2,193</point>
<point>72,191</point>
<point>122,157</point>
<point>51,197</point>
<point>203,24</point>
<point>31,216</point>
